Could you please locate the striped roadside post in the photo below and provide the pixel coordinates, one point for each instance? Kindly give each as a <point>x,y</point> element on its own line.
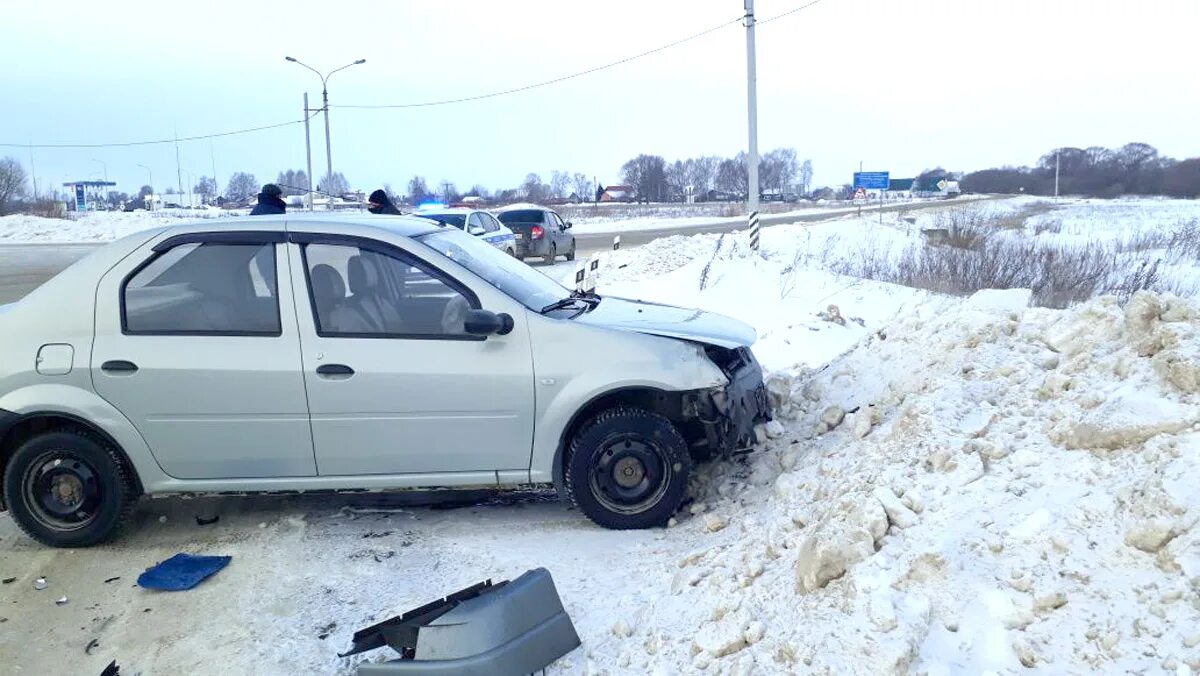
<point>580,273</point>
<point>754,230</point>
<point>616,242</point>
<point>593,269</point>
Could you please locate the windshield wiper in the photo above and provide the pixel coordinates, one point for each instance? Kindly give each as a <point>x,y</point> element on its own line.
<point>589,298</point>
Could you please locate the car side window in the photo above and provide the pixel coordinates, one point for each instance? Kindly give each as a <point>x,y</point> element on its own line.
<point>365,293</point>
<point>475,224</point>
<point>557,222</point>
<point>209,288</point>
<point>490,223</point>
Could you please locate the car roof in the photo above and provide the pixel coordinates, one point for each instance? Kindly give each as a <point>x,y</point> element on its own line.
<point>523,207</point>
<point>445,210</point>
<point>405,226</point>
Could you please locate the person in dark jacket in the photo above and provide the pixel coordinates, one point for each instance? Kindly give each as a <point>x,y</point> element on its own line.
<point>380,204</point>
<point>269,201</point>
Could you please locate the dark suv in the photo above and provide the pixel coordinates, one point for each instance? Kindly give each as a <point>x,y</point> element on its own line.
<point>539,232</point>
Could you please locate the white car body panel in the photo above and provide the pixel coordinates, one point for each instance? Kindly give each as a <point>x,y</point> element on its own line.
<point>233,413</point>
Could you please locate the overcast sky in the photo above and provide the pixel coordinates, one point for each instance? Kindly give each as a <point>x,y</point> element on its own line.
<point>901,86</point>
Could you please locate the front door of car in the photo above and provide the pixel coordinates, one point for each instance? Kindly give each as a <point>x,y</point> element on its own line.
<point>395,384</point>
<point>196,343</point>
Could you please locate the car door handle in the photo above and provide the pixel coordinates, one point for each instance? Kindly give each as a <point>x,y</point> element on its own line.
<point>334,370</point>
<point>118,366</point>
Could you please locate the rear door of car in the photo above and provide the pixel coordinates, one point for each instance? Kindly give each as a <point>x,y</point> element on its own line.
<point>196,343</point>
<point>562,236</point>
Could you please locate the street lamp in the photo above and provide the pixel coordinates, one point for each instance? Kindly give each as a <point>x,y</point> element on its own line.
<point>105,168</point>
<point>325,105</point>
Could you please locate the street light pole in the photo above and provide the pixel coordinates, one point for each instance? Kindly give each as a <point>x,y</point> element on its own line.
<point>308,153</point>
<point>325,106</point>
<point>752,113</point>
<point>1056,154</point>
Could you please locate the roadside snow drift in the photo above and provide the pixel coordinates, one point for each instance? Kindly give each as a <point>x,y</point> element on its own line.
<point>978,486</point>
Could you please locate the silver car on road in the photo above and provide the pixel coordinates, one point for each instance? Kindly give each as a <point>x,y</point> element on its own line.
<point>336,353</point>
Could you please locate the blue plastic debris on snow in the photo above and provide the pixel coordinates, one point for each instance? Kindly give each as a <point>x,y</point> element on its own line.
<point>181,572</point>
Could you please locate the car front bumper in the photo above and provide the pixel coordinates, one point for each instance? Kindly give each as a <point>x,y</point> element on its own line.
<point>731,413</point>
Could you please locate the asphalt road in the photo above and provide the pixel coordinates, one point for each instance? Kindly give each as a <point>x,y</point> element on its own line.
<point>24,267</point>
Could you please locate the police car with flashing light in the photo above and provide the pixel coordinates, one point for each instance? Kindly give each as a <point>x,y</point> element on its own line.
<point>479,223</point>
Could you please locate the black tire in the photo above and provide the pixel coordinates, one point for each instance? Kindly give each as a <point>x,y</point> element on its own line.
<point>68,489</point>
<point>643,446</point>
<point>571,253</point>
<point>552,254</point>
<point>510,252</point>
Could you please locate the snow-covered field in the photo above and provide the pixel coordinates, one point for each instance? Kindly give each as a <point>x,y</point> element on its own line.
<point>956,485</point>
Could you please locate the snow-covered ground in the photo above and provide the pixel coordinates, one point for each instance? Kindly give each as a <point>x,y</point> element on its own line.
<point>956,485</point>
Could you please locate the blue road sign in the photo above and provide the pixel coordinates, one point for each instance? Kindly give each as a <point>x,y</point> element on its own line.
<point>871,180</point>
<point>80,198</point>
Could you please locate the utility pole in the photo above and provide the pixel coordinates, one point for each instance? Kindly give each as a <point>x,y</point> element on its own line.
<point>178,170</point>
<point>752,113</point>
<point>212,156</point>
<point>328,151</point>
<point>33,171</point>
<point>1056,154</point>
<point>308,152</point>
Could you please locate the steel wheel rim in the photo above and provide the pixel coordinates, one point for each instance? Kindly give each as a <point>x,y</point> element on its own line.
<point>630,474</point>
<point>62,491</point>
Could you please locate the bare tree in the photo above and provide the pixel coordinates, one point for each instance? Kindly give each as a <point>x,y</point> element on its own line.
<point>418,191</point>
<point>334,184</point>
<point>241,186</point>
<point>702,172</point>
<point>806,174</point>
<point>12,184</point>
<point>478,191</point>
<point>677,180</point>
<point>647,175</point>
<point>207,188</point>
<point>777,169</point>
<point>582,186</point>
<point>560,183</point>
<point>533,190</point>
<point>732,176</point>
<point>449,192</point>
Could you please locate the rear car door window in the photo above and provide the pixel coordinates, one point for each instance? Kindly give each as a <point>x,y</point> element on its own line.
<point>204,288</point>
<point>365,293</point>
<point>490,223</point>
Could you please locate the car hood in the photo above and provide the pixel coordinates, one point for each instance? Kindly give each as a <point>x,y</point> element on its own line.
<point>670,321</point>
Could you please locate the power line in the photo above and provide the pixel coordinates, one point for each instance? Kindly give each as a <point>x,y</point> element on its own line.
<point>156,142</point>
<point>589,71</point>
<point>787,13</point>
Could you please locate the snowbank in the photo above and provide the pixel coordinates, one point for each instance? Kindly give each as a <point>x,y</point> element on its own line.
<point>94,226</point>
<point>979,486</point>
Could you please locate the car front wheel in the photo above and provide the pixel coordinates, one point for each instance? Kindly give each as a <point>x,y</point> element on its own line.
<point>67,489</point>
<point>628,468</point>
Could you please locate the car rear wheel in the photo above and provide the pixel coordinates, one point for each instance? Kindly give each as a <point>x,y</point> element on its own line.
<point>628,468</point>
<point>571,253</point>
<point>553,254</point>
<point>67,489</point>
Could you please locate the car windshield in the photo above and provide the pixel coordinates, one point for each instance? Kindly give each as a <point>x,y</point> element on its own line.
<point>520,216</point>
<point>528,286</point>
<point>457,220</point>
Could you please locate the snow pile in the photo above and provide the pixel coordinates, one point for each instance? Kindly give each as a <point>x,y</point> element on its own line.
<point>95,226</point>
<point>799,309</point>
<point>979,486</point>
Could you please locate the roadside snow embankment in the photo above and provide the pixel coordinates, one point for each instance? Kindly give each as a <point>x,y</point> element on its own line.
<point>94,226</point>
<point>974,485</point>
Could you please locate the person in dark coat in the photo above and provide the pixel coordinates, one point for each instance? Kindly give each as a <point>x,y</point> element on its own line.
<point>269,201</point>
<point>380,204</point>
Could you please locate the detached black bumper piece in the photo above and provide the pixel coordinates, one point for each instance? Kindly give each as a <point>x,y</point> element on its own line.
<point>516,627</point>
<point>730,414</point>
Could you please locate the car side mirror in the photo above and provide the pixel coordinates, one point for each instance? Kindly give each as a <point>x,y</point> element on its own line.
<point>475,230</point>
<point>567,226</point>
<point>487,323</point>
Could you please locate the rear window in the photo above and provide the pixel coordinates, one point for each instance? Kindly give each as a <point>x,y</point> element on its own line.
<point>457,220</point>
<point>521,216</point>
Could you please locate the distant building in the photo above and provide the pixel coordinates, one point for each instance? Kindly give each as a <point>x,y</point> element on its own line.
<point>900,188</point>
<point>617,193</point>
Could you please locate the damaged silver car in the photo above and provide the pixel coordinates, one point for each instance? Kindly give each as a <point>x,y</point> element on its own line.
<point>337,353</point>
